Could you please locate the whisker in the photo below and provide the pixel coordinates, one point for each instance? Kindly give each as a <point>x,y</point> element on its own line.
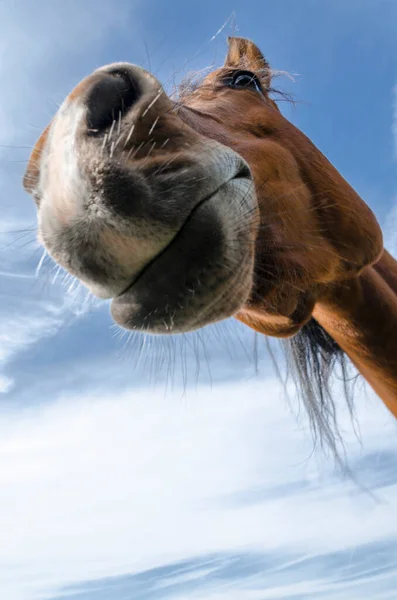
<point>119,122</point>
<point>152,103</point>
<point>153,126</point>
<point>131,131</point>
<point>111,129</point>
<point>105,137</point>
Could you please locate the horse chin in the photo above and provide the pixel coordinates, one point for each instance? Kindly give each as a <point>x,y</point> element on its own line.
<point>204,275</point>
<point>206,309</point>
<point>283,322</point>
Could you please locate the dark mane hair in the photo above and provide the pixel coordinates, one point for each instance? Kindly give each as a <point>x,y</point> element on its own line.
<point>315,361</point>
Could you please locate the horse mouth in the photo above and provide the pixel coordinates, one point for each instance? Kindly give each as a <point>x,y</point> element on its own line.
<point>243,173</point>
<point>193,273</point>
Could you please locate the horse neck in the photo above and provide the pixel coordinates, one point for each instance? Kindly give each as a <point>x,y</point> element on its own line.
<point>361,316</point>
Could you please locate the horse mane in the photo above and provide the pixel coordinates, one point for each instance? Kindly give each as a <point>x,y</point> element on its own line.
<point>314,361</point>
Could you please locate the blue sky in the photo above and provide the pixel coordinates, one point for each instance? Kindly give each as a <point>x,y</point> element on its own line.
<point>140,468</point>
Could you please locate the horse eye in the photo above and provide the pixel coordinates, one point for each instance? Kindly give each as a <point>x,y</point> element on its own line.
<point>246,80</point>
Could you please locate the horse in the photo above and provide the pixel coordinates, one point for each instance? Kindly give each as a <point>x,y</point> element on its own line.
<point>189,210</point>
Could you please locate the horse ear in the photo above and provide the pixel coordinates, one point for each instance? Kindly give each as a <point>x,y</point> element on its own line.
<point>244,54</point>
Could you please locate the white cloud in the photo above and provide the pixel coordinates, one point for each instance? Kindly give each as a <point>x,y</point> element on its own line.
<point>5,384</point>
<point>390,226</point>
<point>394,124</point>
<point>34,312</point>
<point>100,486</point>
<point>390,230</point>
<point>391,223</point>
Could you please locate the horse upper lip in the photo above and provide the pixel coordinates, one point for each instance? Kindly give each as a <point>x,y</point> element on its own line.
<point>243,173</point>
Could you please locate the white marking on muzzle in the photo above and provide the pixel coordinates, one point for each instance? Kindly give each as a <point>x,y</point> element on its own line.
<point>64,189</point>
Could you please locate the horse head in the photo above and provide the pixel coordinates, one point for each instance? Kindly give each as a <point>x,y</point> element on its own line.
<point>187,211</point>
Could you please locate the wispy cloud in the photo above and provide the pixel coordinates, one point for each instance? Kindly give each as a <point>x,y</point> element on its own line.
<point>30,312</point>
<point>394,119</point>
<point>390,228</point>
<point>102,486</point>
<point>5,384</point>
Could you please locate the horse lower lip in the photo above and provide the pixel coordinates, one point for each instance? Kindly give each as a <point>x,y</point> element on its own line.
<point>130,287</point>
<point>185,279</point>
<point>244,173</point>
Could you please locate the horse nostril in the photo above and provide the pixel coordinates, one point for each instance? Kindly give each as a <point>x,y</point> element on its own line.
<point>113,95</point>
